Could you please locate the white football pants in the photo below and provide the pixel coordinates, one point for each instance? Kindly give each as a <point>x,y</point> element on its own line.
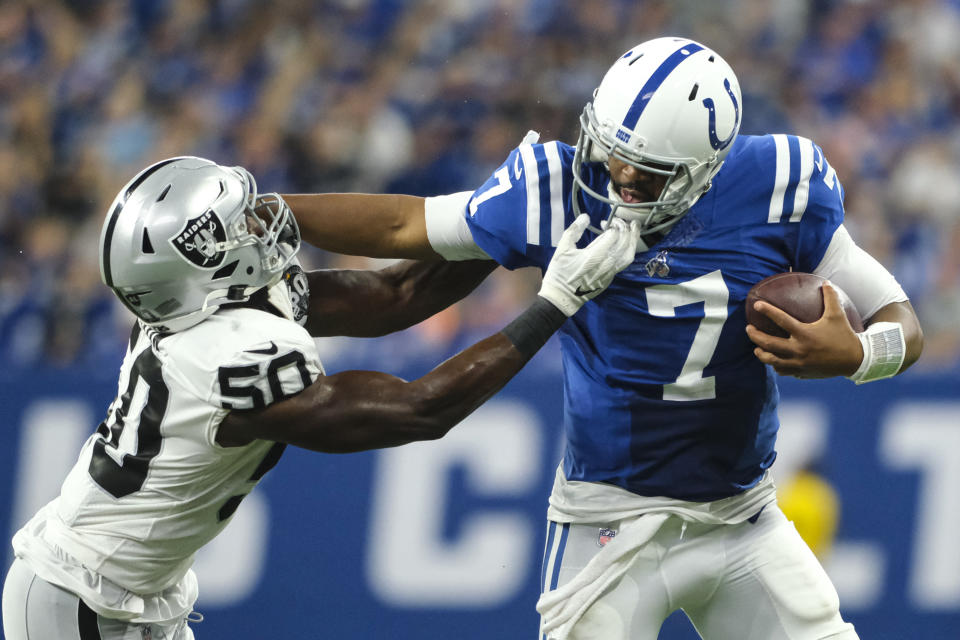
<point>34,609</point>
<point>750,581</point>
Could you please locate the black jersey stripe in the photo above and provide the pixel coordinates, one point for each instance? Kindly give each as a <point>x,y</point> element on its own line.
<point>134,335</point>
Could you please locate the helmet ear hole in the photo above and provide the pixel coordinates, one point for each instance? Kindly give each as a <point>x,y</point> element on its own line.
<point>225,271</point>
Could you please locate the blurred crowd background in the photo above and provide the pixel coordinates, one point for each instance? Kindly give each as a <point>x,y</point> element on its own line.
<point>427,97</point>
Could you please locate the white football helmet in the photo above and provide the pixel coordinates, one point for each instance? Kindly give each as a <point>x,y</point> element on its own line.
<point>187,235</point>
<point>669,106</point>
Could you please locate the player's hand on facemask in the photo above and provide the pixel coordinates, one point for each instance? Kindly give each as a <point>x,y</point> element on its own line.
<point>576,275</point>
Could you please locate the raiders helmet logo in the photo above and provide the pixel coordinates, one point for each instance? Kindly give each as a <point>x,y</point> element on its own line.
<point>197,241</point>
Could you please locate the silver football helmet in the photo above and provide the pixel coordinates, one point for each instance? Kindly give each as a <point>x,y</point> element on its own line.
<point>670,107</point>
<point>187,235</point>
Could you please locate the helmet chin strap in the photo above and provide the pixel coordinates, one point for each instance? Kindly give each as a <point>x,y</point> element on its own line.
<point>232,294</point>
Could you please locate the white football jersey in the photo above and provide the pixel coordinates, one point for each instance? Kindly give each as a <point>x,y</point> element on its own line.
<point>152,486</point>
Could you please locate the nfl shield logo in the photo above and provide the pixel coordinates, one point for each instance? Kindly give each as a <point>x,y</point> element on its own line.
<point>658,266</point>
<point>197,241</point>
<point>605,536</point>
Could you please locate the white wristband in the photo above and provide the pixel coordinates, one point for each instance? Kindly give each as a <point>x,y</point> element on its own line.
<point>883,352</point>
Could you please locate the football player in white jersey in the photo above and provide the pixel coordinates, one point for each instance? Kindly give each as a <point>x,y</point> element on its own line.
<point>220,376</point>
<point>663,500</point>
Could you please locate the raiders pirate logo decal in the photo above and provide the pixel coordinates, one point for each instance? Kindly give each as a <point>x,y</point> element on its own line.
<point>197,241</point>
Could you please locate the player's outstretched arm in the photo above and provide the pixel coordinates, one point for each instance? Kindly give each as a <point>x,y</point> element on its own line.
<point>829,347</point>
<point>359,410</point>
<point>375,303</point>
<point>378,226</point>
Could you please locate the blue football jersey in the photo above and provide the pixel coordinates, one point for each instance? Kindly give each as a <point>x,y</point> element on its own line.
<point>662,393</point>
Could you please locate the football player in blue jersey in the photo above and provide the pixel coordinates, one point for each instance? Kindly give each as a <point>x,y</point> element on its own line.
<point>663,500</point>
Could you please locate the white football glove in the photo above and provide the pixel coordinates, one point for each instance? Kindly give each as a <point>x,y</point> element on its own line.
<point>577,275</point>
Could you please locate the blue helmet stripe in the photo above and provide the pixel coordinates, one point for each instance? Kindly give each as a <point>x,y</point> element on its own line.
<point>655,80</point>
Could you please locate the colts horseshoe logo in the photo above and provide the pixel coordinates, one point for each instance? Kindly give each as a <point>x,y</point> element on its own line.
<point>716,142</point>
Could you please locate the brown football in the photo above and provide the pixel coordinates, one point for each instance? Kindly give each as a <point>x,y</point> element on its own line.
<point>798,294</point>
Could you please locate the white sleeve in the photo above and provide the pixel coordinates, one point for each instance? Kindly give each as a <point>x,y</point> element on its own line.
<point>869,285</point>
<point>447,228</point>
<point>243,359</point>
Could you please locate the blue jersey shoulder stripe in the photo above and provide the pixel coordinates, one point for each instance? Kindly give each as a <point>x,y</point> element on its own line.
<point>544,188</point>
<point>789,195</point>
<point>802,192</point>
<point>781,176</point>
<point>555,169</point>
<point>794,166</point>
<point>532,176</point>
<point>654,81</point>
<point>544,195</point>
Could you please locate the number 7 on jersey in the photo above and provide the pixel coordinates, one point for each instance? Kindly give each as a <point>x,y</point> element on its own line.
<point>663,299</point>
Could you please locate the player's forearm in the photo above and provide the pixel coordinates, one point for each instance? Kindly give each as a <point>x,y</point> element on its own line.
<point>426,408</point>
<point>455,388</point>
<point>360,410</point>
<point>378,226</point>
<point>374,303</point>
<point>903,313</point>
